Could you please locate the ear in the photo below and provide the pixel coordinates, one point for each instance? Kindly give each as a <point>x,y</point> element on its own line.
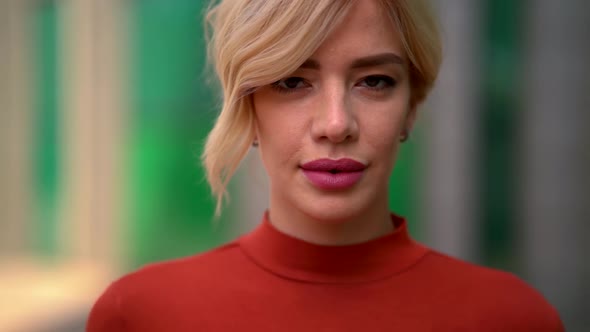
<point>410,119</point>
<point>255,142</point>
<point>255,138</point>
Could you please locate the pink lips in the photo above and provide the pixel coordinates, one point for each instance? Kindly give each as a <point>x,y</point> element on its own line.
<point>329,174</point>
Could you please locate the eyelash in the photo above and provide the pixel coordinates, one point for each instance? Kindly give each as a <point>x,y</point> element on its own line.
<point>389,83</point>
<point>277,85</point>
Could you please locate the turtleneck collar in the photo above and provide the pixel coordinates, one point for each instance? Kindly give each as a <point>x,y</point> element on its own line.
<point>293,258</point>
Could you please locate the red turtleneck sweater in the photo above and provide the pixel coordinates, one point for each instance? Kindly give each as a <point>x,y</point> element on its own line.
<point>269,281</point>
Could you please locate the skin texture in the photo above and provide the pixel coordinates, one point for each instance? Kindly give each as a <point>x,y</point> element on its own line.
<point>333,108</point>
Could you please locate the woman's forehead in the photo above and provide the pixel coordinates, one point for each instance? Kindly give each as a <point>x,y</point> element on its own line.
<point>365,31</point>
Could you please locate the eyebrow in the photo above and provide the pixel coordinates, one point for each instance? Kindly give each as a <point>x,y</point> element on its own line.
<point>369,61</point>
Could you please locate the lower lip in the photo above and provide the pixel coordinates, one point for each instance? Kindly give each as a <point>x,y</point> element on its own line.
<point>330,181</point>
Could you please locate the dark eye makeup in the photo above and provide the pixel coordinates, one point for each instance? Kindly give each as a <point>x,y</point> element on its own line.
<point>375,83</point>
<point>378,82</point>
<point>289,84</point>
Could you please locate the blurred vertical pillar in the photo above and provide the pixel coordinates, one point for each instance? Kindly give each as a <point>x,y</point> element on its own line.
<point>451,224</point>
<point>556,157</point>
<point>15,127</point>
<point>92,117</point>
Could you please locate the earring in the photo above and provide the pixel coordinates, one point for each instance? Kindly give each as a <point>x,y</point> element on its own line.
<point>405,136</point>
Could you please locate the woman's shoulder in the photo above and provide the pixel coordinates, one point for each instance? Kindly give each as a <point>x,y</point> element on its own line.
<point>491,292</point>
<point>182,270</point>
<point>164,288</point>
<point>471,274</point>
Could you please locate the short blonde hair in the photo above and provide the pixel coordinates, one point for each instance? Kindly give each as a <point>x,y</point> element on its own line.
<point>257,42</point>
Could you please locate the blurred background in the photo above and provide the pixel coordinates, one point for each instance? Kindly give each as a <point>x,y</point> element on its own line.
<point>104,106</point>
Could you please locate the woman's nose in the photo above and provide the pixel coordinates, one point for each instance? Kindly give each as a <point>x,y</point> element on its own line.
<point>335,119</point>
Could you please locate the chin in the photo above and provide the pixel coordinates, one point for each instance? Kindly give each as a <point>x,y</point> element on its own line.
<point>332,208</point>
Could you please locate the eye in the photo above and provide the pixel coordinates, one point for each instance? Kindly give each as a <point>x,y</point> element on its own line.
<point>290,84</point>
<point>377,82</point>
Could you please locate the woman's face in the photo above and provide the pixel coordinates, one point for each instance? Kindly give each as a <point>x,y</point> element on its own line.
<point>330,131</point>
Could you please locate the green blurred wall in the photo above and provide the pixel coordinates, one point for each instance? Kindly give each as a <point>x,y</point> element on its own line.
<point>501,111</point>
<point>172,110</point>
<point>46,154</point>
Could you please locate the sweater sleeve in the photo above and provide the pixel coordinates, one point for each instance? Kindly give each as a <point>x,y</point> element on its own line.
<point>106,314</point>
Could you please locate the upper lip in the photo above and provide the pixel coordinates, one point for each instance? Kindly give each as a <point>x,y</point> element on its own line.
<point>330,165</point>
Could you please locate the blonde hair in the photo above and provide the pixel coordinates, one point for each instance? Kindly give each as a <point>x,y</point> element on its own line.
<point>257,42</point>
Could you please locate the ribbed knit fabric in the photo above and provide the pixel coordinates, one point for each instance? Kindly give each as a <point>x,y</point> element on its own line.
<point>269,281</point>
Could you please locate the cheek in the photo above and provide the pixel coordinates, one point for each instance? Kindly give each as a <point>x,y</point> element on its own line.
<point>382,140</point>
<point>280,131</point>
<point>383,128</point>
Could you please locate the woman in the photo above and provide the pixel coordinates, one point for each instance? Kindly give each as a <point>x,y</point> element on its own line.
<point>327,90</point>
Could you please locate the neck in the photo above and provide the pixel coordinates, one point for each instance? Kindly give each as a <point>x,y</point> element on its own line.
<point>360,227</point>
